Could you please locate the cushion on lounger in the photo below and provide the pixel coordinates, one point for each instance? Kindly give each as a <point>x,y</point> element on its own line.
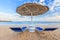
<point>16,29</point>
<point>39,29</point>
<point>24,28</point>
<point>50,29</point>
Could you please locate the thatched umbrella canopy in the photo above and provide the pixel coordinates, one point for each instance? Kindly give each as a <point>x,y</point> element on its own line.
<point>33,9</point>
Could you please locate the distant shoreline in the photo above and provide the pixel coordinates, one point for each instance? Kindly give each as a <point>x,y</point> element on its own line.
<point>5,21</point>
<point>34,21</point>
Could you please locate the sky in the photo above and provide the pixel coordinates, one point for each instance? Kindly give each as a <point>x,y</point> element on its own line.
<point>8,10</point>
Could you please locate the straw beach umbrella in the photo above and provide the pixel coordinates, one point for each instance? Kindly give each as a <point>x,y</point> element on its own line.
<point>31,9</point>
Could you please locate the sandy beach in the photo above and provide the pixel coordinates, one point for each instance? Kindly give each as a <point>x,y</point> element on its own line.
<point>7,34</point>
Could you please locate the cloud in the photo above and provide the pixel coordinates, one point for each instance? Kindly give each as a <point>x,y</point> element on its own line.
<point>16,17</point>
<point>54,18</point>
<point>41,2</point>
<point>12,17</point>
<point>49,19</point>
<point>54,5</point>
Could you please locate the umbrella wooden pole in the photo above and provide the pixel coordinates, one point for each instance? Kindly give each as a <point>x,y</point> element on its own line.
<point>31,28</point>
<point>31,17</point>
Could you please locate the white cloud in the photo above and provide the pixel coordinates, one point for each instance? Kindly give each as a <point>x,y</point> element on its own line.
<point>16,17</point>
<point>49,19</point>
<point>55,18</point>
<point>56,3</point>
<point>12,17</point>
<point>41,2</point>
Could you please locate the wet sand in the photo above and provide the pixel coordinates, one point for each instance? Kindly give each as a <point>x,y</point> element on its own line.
<point>7,34</point>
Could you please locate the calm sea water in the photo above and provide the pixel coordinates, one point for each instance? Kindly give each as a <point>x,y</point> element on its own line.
<point>27,22</point>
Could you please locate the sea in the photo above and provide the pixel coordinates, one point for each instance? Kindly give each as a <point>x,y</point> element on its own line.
<point>27,22</point>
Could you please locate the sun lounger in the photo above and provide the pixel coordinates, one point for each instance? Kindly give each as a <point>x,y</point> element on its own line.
<point>39,29</point>
<point>16,29</point>
<point>50,29</point>
<point>24,28</point>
